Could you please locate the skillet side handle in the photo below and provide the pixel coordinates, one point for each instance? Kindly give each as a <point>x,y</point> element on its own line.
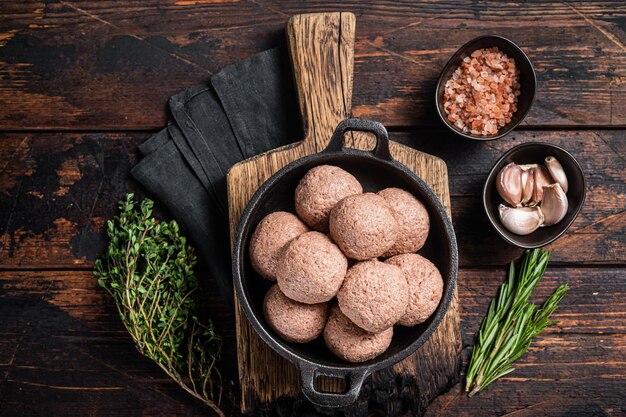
<point>354,380</point>
<point>381,151</point>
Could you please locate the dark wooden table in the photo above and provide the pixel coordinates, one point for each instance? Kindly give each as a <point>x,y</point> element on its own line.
<point>82,83</point>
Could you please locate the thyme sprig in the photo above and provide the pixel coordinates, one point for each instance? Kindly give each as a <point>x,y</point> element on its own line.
<point>149,270</point>
<point>511,322</point>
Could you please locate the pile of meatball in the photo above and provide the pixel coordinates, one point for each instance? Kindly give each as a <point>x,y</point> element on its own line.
<point>357,247</point>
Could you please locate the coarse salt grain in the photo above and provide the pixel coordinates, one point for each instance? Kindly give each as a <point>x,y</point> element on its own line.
<point>481,96</point>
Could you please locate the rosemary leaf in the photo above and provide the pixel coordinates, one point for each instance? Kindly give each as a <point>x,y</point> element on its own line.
<point>149,270</point>
<point>511,322</point>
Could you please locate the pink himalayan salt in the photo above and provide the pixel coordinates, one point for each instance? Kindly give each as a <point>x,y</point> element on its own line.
<point>481,96</point>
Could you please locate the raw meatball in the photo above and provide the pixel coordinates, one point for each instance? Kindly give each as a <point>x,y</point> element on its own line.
<point>318,192</point>
<point>363,226</point>
<point>425,287</point>
<point>412,218</point>
<point>293,321</point>
<point>270,238</point>
<point>352,343</point>
<point>311,269</point>
<point>374,295</point>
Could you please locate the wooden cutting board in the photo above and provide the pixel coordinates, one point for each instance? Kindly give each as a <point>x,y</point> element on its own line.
<point>322,53</point>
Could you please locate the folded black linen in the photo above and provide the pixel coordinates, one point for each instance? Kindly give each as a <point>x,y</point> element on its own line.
<point>247,108</point>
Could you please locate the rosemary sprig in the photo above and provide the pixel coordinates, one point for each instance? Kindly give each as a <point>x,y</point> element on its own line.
<point>511,322</point>
<point>149,270</point>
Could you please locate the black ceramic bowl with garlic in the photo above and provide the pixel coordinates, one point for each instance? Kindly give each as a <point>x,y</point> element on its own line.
<point>533,194</point>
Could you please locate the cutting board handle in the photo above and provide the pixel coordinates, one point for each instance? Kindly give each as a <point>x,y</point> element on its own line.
<point>321,46</point>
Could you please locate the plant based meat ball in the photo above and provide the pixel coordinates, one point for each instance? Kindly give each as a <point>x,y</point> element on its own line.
<point>318,192</point>
<point>293,321</point>
<point>363,226</point>
<point>351,343</point>
<point>311,269</point>
<point>374,295</point>
<point>269,239</point>
<point>412,218</point>
<point>425,287</point>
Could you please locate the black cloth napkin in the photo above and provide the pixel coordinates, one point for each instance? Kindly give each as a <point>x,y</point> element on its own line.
<point>247,108</point>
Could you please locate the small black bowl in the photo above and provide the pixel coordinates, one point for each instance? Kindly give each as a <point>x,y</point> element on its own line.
<point>528,81</point>
<point>535,153</point>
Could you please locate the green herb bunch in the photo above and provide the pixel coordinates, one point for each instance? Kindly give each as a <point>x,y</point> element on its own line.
<point>149,270</point>
<point>511,323</point>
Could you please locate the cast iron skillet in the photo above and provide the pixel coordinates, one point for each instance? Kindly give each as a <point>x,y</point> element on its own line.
<point>375,170</point>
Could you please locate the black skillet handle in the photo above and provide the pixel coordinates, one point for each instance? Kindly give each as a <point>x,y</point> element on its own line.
<point>381,151</point>
<point>354,380</point>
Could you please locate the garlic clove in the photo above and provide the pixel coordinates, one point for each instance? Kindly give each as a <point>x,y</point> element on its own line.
<point>554,204</point>
<point>542,178</point>
<point>521,221</point>
<point>526,167</point>
<point>509,184</point>
<point>556,170</point>
<point>528,183</point>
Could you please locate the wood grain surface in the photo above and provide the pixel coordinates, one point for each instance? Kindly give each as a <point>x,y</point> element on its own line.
<point>63,345</point>
<point>82,83</point>
<point>113,64</point>
<point>58,189</point>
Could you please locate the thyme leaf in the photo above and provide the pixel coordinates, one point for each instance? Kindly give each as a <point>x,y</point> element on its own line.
<point>148,268</point>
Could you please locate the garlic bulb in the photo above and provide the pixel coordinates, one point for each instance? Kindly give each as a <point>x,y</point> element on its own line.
<point>556,170</point>
<point>521,221</point>
<point>554,204</point>
<point>509,184</point>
